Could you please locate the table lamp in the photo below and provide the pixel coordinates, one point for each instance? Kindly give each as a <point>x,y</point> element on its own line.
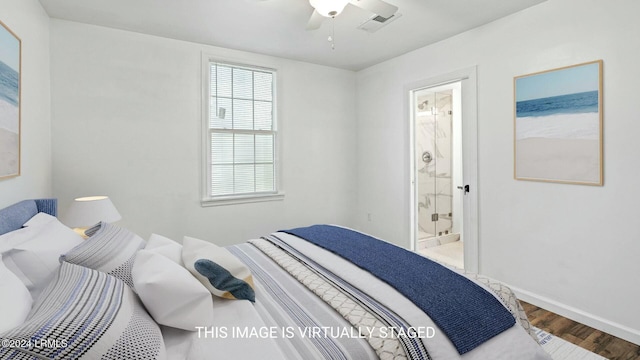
<point>85,212</point>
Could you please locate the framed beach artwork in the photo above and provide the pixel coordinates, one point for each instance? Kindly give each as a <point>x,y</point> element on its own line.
<point>558,125</point>
<point>10,47</point>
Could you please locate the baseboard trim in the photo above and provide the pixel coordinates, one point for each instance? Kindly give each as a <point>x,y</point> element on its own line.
<point>596,322</point>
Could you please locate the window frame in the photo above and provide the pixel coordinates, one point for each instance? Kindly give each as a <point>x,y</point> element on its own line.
<point>207,199</point>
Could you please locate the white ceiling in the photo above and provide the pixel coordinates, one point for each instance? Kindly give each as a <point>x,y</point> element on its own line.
<point>277,27</point>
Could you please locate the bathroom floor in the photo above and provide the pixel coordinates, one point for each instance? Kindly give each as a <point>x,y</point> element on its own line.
<point>450,253</point>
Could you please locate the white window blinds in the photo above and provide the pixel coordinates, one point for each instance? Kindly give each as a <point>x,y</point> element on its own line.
<point>242,134</point>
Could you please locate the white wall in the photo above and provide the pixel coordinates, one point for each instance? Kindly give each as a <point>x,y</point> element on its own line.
<point>28,20</point>
<point>573,248</point>
<point>127,123</point>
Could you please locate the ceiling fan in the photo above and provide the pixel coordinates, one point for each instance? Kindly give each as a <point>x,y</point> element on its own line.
<point>331,8</point>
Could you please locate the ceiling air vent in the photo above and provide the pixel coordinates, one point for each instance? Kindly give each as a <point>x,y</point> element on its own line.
<point>375,22</point>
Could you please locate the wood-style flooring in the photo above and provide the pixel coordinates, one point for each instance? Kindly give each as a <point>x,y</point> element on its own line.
<point>586,337</point>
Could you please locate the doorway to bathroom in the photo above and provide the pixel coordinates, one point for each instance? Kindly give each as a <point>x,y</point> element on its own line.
<point>443,123</point>
<point>438,154</point>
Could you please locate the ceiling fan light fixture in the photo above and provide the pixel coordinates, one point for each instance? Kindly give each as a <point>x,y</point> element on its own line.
<point>329,8</point>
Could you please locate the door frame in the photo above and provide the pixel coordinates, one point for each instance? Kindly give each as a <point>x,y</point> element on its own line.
<point>468,81</point>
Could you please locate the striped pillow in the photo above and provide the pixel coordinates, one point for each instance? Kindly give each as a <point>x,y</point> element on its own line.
<point>110,249</point>
<point>85,314</point>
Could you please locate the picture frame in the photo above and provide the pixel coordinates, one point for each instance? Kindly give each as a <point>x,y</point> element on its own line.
<point>558,125</point>
<point>10,102</point>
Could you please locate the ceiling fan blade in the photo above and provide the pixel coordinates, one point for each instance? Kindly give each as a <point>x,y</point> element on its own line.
<point>315,21</point>
<point>379,7</point>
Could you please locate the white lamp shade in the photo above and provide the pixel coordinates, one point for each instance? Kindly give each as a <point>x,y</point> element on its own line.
<point>329,8</point>
<point>88,211</point>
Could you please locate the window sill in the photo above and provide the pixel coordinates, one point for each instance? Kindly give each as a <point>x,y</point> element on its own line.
<point>241,199</point>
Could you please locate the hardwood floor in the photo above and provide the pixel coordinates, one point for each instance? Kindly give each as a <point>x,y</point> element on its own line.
<point>586,337</point>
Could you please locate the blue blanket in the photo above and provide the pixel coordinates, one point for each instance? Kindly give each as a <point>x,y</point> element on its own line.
<point>465,312</point>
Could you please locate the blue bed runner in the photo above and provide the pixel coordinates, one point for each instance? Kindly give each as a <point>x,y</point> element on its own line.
<point>465,312</point>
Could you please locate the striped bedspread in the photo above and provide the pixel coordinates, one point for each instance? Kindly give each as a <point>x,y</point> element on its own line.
<point>324,307</point>
<point>367,320</point>
<point>371,320</point>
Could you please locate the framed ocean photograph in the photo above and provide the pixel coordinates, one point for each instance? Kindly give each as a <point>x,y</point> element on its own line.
<point>10,53</point>
<point>558,125</point>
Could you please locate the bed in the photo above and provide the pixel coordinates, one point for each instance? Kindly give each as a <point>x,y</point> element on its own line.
<point>316,292</point>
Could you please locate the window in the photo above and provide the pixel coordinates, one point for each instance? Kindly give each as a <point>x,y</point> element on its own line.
<point>241,132</point>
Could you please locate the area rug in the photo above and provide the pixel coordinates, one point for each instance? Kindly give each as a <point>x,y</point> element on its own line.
<point>560,349</point>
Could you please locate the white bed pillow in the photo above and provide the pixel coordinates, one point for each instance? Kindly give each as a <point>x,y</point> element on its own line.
<point>40,219</point>
<point>217,269</point>
<point>15,300</point>
<point>165,247</point>
<point>170,293</point>
<point>32,252</point>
